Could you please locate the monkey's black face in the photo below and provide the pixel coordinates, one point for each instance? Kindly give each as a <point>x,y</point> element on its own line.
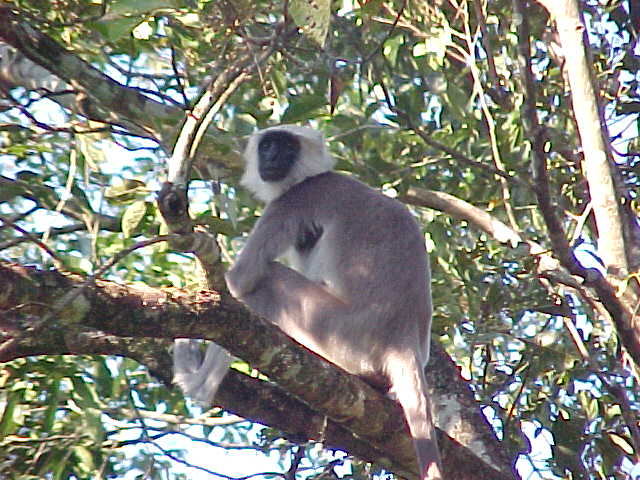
<point>277,153</point>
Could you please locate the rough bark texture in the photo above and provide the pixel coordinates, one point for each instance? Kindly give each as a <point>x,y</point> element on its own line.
<point>619,297</point>
<point>593,134</point>
<point>63,314</point>
<point>44,51</point>
<point>98,96</point>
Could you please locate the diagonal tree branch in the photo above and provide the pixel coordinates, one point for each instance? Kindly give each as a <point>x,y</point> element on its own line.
<point>618,310</point>
<point>460,209</point>
<point>249,397</point>
<point>594,136</point>
<point>128,311</point>
<point>116,100</point>
<point>598,170</point>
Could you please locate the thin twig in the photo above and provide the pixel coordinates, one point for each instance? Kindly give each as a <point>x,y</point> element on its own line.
<point>491,124</point>
<point>394,24</point>
<point>174,67</point>
<point>126,251</point>
<point>28,236</point>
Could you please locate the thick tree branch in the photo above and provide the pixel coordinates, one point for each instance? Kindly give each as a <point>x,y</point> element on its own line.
<point>598,171</point>
<point>30,294</point>
<point>593,135</point>
<point>126,102</point>
<point>78,85</point>
<point>249,397</point>
<point>619,311</point>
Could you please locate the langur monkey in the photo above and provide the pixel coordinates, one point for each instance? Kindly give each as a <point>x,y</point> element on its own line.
<point>357,286</point>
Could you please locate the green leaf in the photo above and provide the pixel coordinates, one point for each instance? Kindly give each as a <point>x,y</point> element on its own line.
<point>313,17</point>
<point>103,377</point>
<point>85,393</point>
<point>217,225</point>
<point>391,47</point>
<point>589,404</point>
<point>10,190</point>
<point>116,28</point>
<point>371,7</point>
<point>84,457</point>
<point>439,38</point>
<point>420,49</point>
<point>52,405</point>
<point>125,191</point>
<point>622,442</point>
<point>132,217</point>
<point>138,7</point>
<point>11,416</point>
<point>303,108</point>
<point>94,426</point>
<point>90,148</point>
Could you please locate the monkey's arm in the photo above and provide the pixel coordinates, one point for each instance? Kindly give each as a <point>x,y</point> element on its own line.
<point>274,234</point>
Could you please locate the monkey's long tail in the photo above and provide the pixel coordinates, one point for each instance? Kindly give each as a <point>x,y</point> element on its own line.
<point>198,378</point>
<point>409,387</point>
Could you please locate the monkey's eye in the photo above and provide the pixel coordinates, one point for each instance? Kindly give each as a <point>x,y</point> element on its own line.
<point>265,145</point>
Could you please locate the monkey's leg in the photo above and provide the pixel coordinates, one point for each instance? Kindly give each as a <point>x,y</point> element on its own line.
<point>303,309</point>
<point>308,312</point>
<point>283,297</point>
<point>409,388</point>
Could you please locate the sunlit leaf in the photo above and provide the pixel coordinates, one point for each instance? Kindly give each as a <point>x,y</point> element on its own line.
<point>133,215</point>
<point>11,414</point>
<point>125,191</point>
<point>313,18</point>
<point>135,7</point>
<point>115,28</point>
<point>303,108</point>
<point>621,442</point>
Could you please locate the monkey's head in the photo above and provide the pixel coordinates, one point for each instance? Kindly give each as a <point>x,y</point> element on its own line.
<point>279,157</point>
